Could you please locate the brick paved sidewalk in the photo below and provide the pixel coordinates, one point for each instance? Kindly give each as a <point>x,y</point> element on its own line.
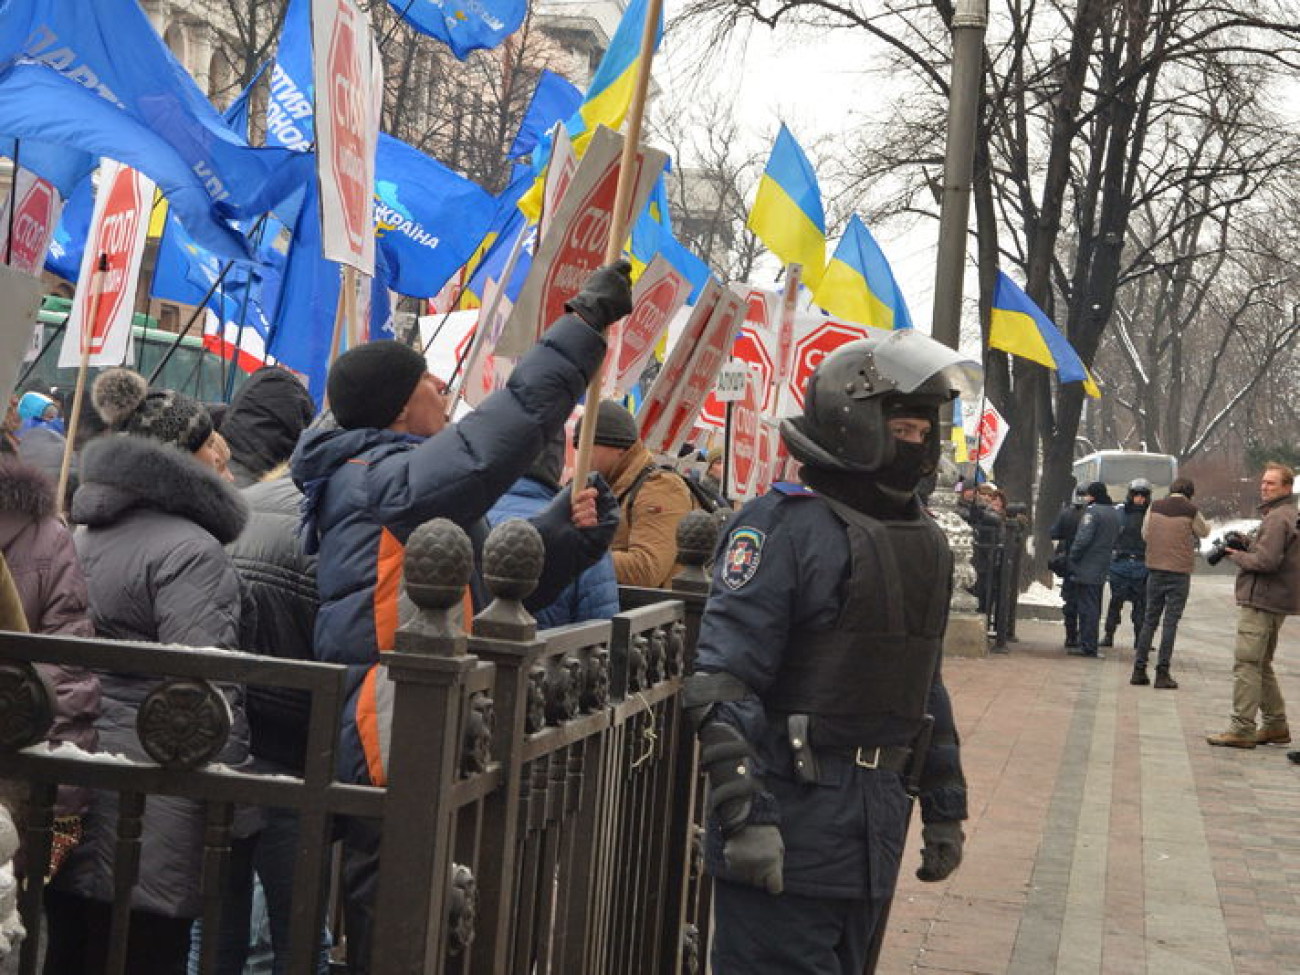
<point>1105,835</point>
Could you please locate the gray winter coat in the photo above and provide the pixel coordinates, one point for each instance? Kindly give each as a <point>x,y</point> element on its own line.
<point>1093,542</point>
<point>154,522</point>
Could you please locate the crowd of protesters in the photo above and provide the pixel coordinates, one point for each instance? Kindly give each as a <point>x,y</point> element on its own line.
<point>281,532</point>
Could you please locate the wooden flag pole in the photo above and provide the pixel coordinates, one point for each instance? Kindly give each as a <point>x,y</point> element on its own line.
<point>74,421</point>
<point>620,218</point>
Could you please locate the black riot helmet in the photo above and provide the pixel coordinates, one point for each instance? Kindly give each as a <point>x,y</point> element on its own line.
<point>857,389</point>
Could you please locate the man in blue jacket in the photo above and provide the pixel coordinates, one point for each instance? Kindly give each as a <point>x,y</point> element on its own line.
<point>394,462</point>
<point>817,666</point>
<point>594,594</point>
<point>1090,554</point>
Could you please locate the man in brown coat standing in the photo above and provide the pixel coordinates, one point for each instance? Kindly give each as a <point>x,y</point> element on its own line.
<point>653,500</point>
<point>1170,530</point>
<point>1268,591</point>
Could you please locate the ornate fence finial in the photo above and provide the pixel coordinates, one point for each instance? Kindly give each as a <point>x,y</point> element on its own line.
<point>513,557</point>
<point>697,536</point>
<point>26,706</point>
<point>438,563</point>
<point>183,723</point>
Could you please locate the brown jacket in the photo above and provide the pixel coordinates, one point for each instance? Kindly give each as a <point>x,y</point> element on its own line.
<point>1170,530</point>
<point>645,545</point>
<point>1268,573</point>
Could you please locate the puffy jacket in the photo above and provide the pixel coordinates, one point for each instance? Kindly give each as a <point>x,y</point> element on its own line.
<point>1093,542</point>
<point>645,545</point>
<point>48,579</point>
<point>594,594</point>
<point>1171,529</point>
<point>281,581</point>
<point>1268,573</point>
<point>154,522</point>
<point>367,490</point>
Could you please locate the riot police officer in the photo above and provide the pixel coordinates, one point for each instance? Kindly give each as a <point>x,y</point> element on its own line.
<point>818,672</point>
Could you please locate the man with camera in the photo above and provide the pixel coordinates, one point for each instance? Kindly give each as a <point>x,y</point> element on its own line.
<point>1268,591</point>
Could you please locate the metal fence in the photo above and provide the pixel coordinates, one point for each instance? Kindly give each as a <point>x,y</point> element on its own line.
<point>542,807</point>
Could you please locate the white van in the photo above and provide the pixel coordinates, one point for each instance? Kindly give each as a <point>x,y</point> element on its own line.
<point>1118,468</point>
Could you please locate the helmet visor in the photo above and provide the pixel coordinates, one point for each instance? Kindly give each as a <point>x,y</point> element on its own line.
<point>909,359</point>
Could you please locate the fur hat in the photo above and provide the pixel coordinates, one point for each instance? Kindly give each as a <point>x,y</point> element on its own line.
<point>368,386</point>
<point>123,398</point>
<point>615,426</point>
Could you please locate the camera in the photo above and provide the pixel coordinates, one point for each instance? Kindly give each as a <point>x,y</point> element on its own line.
<point>1235,541</point>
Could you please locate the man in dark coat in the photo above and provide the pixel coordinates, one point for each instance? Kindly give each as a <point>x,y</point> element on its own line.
<point>264,421</point>
<point>394,462</point>
<point>818,671</point>
<point>1090,561</point>
<point>1062,532</point>
<point>1128,567</point>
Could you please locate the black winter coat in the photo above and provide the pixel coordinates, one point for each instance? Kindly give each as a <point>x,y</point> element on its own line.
<point>281,580</point>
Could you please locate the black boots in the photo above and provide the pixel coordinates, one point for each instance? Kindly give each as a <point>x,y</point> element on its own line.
<point>1163,680</point>
<point>1140,676</point>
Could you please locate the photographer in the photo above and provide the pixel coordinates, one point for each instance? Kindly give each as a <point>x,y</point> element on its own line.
<point>1268,591</point>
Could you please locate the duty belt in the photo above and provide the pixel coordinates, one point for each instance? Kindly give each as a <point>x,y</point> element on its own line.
<point>891,758</point>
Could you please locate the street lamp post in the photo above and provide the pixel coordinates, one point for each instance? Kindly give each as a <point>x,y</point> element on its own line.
<point>969,21</point>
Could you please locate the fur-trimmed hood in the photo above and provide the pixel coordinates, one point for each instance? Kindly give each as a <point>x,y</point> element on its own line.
<point>120,473</point>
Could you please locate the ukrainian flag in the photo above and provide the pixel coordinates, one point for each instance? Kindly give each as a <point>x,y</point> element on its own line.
<point>608,96</point>
<point>787,212</point>
<point>859,286</point>
<point>1019,327</point>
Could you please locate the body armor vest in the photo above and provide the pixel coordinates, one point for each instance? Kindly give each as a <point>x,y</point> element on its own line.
<point>866,680</point>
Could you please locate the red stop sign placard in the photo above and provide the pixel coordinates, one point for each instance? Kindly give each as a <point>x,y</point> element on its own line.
<point>745,436</point>
<point>347,156</point>
<point>32,224</point>
<point>117,236</point>
<point>812,348</point>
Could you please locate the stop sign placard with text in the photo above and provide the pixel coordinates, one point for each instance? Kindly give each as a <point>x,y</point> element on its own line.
<point>117,231</point>
<point>816,340</point>
<point>659,293</point>
<point>755,346</point>
<point>575,241</point>
<point>33,222</point>
<point>349,85</point>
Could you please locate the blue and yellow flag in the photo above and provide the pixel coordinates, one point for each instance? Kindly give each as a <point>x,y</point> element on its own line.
<point>1019,327</point>
<point>610,93</point>
<point>858,284</point>
<point>787,212</point>
<point>607,99</point>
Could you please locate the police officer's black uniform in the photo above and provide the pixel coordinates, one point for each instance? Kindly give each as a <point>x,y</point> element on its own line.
<point>818,665</point>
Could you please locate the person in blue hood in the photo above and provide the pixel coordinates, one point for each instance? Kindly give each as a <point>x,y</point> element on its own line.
<point>395,461</point>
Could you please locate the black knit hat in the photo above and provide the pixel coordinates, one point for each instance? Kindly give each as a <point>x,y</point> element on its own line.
<point>369,385</point>
<point>125,401</point>
<point>615,426</point>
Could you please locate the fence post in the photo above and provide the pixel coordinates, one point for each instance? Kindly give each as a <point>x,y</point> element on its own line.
<point>428,667</point>
<point>506,636</point>
<point>687,902</point>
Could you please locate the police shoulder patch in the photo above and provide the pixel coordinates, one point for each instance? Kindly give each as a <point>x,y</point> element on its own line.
<point>744,552</point>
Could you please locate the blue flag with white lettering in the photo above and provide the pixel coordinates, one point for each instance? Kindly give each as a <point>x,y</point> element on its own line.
<point>143,110</point>
<point>463,25</point>
<point>429,219</point>
<point>554,99</point>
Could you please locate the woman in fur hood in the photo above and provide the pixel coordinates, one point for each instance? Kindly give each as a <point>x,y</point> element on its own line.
<point>154,517</point>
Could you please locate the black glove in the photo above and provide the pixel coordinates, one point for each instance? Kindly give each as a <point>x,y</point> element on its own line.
<point>605,297</point>
<point>754,856</point>
<point>941,854</point>
<point>608,514</point>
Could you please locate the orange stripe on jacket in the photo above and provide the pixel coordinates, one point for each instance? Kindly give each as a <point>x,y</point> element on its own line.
<point>388,587</point>
<point>368,727</point>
